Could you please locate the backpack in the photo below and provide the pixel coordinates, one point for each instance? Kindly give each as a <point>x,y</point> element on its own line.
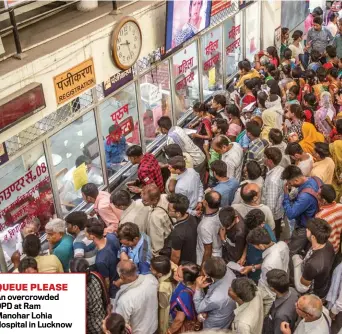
<point>311,191</point>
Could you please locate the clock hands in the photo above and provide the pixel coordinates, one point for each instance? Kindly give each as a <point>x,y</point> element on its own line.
<point>127,43</point>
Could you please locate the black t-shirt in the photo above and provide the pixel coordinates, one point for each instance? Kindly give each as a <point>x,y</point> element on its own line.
<point>317,268</point>
<point>184,238</point>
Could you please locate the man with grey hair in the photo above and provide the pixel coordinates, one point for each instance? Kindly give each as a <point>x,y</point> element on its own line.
<point>137,299</point>
<point>60,243</point>
<point>315,317</point>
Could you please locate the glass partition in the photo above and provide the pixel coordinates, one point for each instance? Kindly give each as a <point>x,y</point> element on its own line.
<point>77,149</point>
<point>252,31</point>
<point>156,99</point>
<point>186,80</point>
<point>212,59</point>
<point>25,194</point>
<point>233,43</point>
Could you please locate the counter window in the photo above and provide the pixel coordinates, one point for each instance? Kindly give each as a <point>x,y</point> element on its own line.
<point>185,71</point>
<point>76,160</point>
<point>156,99</point>
<point>233,44</point>
<point>120,127</point>
<point>212,62</point>
<point>252,31</point>
<point>24,196</point>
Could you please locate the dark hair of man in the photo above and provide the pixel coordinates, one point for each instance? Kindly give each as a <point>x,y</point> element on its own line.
<point>318,11</point>
<point>310,99</point>
<point>219,167</point>
<point>31,245</point>
<point>27,262</point>
<point>331,51</point>
<point>213,198</point>
<point>134,151</point>
<point>232,109</point>
<point>82,159</point>
<point>253,129</point>
<point>180,203</point>
<point>333,16</point>
<point>328,193</point>
<point>287,54</point>
<point>247,196</point>
<point>221,100</point>
<point>244,288</point>
<point>165,122</point>
<point>320,229</point>
<point>278,280</point>
<point>221,124</point>
<point>90,189</point>
<point>95,227</point>
<point>221,140</point>
<point>79,265</point>
<point>254,218</point>
<point>293,148</point>
<point>196,107</point>
<point>161,264</point>
<point>115,324</point>
<point>321,73</point>
<point>275,136</point>
<point>322,149</point>
<point>245,65</point>
<point>318,20</point>
<point>262,98</point>
<point>339,126</point>
<point>215,267</point>
<point>128,231</point>
<point>315,55</point>
<point>173,150</point>
<point>297,34</point>
<point>333,72</point>
<point>296,109</point>
<point>177,162</point>
<point>121,198</point>
<point>258,236</point>
<point>77,218</point>
<point>274,154</point>
<point>291,172</point>
<point>227,216</point>
<point>190,272</point>
<point>253,170</point>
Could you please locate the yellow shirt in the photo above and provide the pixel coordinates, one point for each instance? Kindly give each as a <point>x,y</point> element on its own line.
<point>49,264</point>
<point>164,296</point>
<point>324,169</point>
<point>250,75</point>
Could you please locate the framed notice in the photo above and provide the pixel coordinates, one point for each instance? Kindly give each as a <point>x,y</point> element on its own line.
<point>74,81</point>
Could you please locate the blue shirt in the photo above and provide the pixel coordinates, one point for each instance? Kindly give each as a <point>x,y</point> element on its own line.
<point>141,254</point>
<point>63,249</point>
<point>227,191</point>
<point>115,152</point>
<point>304,206</point>
<point>106,261</point>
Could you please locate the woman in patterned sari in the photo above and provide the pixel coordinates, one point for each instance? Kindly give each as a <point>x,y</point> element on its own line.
<point>97,298</point>
<point>335,149</point>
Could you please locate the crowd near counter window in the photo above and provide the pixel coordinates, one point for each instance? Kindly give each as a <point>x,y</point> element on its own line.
<point>186,80</point>
<point>25,195</point>
<point>212,62</point>
<point>120,127</point>
<point>76,160</point>
<point>233,44</point>
<point>252,31</point>
<point>156,99</point>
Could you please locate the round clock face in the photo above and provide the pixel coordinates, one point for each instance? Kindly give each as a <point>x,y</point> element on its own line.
<point>126,43</point>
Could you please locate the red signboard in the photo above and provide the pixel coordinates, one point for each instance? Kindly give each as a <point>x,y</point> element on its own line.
<point>219,5</point>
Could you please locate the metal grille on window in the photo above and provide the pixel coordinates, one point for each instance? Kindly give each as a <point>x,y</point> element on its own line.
<point>49,123</point>
<point>99,92</point>
<point>224,14</point>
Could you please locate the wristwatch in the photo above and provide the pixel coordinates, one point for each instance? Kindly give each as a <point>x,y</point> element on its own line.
<point>253,268</point>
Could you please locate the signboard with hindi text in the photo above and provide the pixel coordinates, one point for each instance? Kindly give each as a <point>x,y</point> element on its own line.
<point>219,5</point>
<point>74,81</point>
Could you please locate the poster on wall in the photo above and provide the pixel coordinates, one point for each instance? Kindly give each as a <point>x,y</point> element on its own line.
<point>116,81</point>
<point>220,5</point>
<point>277,39</point>
<point>185,19</point>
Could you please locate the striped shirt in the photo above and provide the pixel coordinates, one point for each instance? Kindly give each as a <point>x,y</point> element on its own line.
<point>83,247</point>
<point>332,214</point>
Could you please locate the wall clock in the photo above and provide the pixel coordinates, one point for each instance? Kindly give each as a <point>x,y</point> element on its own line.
<point>126,43</point>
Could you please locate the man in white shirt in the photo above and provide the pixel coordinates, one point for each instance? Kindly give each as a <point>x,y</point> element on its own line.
<point>274,256</point>
<point>232,155</point>
<point>250,194</point>
<point>188,183</point>
<point>137,299</point>
<point>176,135</point>
<point>303,160</point>
<point>208,240</point>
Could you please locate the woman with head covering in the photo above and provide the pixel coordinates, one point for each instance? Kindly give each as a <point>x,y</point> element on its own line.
<point>335,149</point>
<point>269,118</point>
<point>310,137</point>
<point>325,114</point>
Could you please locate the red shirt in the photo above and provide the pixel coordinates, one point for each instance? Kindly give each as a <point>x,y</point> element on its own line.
<point>149,171</point>
<point>328,65</point>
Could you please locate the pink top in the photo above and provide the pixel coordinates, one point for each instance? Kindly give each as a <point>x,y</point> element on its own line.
<point>308,23</point>
<point>107,211</point>
<point>233,130</point>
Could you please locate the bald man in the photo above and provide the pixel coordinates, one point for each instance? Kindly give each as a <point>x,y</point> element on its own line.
<point>250,195</point>
<point>315,317</point>
<point>137,299</point>
<point>158,226</point>
<point>208,240</point>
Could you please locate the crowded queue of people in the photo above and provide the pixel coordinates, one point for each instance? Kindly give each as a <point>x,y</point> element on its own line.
<point>240,229</point>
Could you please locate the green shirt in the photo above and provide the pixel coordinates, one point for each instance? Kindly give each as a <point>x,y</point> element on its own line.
<point>213,157</point>
<point>64,251</point>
